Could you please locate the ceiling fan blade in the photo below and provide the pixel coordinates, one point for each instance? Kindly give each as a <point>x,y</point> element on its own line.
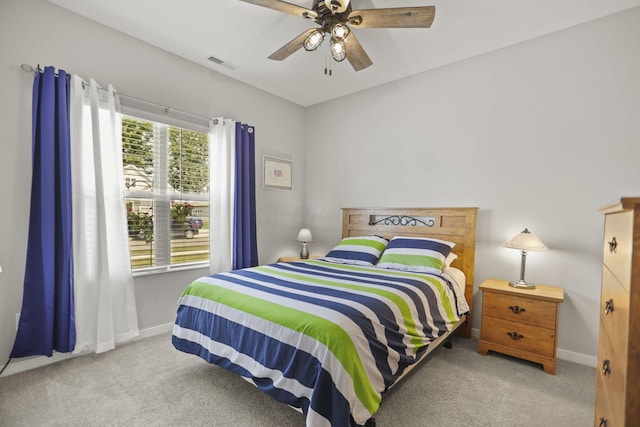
<point>395,17</point>
<point>292,46</point>
<point>356,55</point>
<point>283,6</point>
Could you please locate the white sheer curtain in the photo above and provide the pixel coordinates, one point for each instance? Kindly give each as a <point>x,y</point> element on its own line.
<point>222,139</point>
<point>105,309</point>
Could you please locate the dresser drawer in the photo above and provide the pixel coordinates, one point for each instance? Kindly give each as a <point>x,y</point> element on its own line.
<point>618,245</point>
<point>520,309</point>
<point>605,413</point>
<point>614,312</point>
<point>610,385</point>
<point>519,336</point>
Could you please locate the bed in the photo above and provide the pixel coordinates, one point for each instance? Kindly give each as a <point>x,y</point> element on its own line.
<point>330,336</point>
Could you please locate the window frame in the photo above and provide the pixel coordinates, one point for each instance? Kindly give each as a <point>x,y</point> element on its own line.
<point>161,118</point>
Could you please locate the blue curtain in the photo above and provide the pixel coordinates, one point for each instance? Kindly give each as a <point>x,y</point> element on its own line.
<point>245,247</point>
<point>46,319</point>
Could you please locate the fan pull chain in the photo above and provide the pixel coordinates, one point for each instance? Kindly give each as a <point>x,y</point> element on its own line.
<point>330,71</point>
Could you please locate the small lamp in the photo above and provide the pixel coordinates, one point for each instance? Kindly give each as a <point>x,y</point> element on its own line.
<point>304,236</point>
<point>524,241</point>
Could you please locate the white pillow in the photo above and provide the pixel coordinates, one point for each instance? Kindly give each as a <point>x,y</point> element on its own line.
<point>449,259</point>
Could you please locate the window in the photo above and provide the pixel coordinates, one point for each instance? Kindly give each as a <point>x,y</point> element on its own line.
<point>166,181</point>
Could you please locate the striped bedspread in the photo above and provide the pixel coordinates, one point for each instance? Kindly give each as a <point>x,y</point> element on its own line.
<point>324,337</point>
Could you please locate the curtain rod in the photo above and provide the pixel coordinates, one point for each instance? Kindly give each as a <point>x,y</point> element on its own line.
<point>30,69</point>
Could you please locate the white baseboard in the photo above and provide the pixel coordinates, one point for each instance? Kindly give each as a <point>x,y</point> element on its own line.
<point>571,356</point>
<point>38,361</point>
<point>16,366</point>
<point>156,330</point>
<point>582,359</point>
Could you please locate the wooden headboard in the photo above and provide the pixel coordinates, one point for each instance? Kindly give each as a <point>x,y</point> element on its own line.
<point>457,225</point>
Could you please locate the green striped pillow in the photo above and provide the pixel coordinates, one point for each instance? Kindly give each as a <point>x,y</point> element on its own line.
<point>360,250</point>
<point>422,255</point>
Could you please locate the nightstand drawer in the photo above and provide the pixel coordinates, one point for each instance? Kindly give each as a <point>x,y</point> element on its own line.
<point>529,338</point>
<point>614,311</point>
<point>618,246</point>
<point>520,309</point>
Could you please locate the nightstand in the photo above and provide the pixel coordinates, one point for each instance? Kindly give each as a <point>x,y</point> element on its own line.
<point>520,322</point>
<point>295,258</point>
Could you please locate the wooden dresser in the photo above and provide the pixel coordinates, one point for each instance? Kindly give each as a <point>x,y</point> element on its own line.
<point>520,322</point>
<point>618,388</point>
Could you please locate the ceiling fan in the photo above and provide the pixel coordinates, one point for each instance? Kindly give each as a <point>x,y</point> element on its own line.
<point>336,18</point>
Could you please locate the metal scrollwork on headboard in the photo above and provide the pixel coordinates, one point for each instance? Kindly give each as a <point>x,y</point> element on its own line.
<point>402,220</point>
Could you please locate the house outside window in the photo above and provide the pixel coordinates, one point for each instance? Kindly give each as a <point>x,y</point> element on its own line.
<point>166,184</point>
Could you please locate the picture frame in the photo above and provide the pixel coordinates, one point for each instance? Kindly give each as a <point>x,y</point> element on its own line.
<point>277,173</point>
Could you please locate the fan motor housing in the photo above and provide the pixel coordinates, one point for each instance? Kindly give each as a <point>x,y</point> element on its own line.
<point>337,6</point>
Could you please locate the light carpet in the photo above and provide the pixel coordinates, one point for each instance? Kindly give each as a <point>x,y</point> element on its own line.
<point>149,383</point>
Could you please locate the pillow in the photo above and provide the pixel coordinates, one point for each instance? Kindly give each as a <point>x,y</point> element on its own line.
<point>449,259</point>
<point>416,254</point>
<point>360,250</point>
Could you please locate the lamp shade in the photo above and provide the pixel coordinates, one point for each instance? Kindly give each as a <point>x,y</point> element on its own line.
<point>525,241</point>
<point>304,235</point>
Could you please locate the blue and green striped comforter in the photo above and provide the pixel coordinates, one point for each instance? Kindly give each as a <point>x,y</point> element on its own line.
<point>324,337</point>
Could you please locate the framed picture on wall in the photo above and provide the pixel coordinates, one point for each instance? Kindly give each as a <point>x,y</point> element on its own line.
<point>276,173</point>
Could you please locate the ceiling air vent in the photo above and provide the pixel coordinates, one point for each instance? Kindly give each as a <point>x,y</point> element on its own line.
<point>221,62</point>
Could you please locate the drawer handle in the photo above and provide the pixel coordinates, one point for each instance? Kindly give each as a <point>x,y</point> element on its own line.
<point>608,306</point>
<point>606,367</point>
<point>613,244</point>
<point>515,336</point>
<point>517,309</point>
<point>603,422</point>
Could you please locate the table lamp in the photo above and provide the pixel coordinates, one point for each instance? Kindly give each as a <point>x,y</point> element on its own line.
<point>304,236</point>
<point>524,241</point>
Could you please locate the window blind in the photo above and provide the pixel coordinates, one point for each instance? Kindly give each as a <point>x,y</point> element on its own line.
<point>167,193</point>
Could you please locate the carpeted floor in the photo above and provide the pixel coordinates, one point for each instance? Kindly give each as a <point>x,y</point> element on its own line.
<point>149,383</point>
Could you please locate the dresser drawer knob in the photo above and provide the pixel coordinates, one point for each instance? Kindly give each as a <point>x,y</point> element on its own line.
<point>613,244</point>
<point>515,336</point>
<point>606,367</point>
<point>603,422</point>
<point>517,309</point>
<point>608,306</point>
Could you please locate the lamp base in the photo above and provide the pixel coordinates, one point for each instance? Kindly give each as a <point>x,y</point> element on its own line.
<point>304,252</point>
<point>522,285</point>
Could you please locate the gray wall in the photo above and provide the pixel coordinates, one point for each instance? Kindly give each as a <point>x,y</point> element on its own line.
<point>536,135</point>
<point>37,32</point>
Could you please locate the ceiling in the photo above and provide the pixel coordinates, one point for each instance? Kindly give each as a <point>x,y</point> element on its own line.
<point>244,35</point>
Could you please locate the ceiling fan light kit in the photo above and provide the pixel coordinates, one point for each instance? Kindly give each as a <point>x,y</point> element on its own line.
<point>334,18</point>
<point>313,40</point>
<point>338,50</point>
<point>340,31</point>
